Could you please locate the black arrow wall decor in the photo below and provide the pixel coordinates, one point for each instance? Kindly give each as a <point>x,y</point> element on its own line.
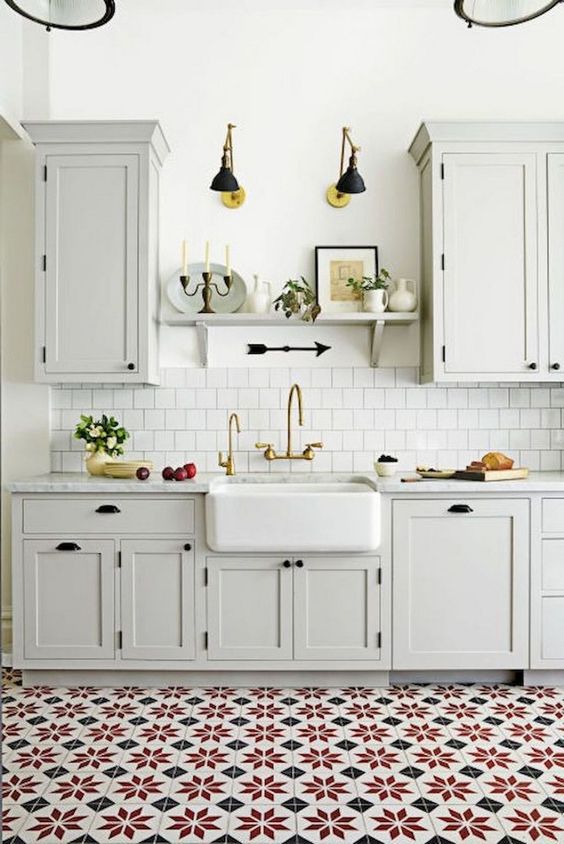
<point>261,349</point>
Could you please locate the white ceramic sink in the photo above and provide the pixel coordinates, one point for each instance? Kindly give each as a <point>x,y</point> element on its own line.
<point>293,516</point>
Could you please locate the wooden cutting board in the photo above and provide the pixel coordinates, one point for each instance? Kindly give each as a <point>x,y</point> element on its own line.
<point>490,475</point>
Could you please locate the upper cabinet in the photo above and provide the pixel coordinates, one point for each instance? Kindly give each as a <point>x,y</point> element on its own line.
<point>97,193</point>
<point>492,254</point>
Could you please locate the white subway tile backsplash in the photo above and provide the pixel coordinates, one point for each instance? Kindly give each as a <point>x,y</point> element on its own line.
<point>357,412</point>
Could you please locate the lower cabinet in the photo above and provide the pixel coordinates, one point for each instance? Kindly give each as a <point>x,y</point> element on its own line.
<point>461,583</point>
<point>68,599</point>
<point>276,608</point>
<point>157,599</point>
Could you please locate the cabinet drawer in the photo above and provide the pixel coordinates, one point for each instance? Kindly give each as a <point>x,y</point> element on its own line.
<point>553,564</point>
<point>553,515</point>
<point>108,515</point>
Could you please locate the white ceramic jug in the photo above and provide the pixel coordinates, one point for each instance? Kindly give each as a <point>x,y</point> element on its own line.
<point>403,299</point>
<point>260,300</point>
<point>375,301</point>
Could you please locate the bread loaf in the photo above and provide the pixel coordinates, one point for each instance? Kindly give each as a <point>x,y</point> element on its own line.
<point>496,460</point>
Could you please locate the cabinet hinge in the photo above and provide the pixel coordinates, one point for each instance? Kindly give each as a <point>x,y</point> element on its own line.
<point>206,640</point>
<point>44,172</point>
<point>444,354</point>
<point>44,263</point>
<point>119,559</point>
<point>380,576</point>
<point>379,640</point>
<point>206,576</point>
<point>120,640</point>
<point>44,354</point>
<point>442,171</point>
<point>443,261</point>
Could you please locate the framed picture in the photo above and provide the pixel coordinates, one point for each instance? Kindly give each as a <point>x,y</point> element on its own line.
<point>334,265</point>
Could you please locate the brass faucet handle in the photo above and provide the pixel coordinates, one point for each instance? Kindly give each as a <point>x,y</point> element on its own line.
<point>220,461</point>
<point>263,445</point>
<point>269,452</point>
<point>308,452</point>
<point>314,445</point>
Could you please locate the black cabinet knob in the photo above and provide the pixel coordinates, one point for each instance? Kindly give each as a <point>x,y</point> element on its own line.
<point>460,508</point>
<point>532,366</point>
<point>68,546</point>
<point>286,564</point>
<point>555,366</point>
<point>188,546</point>
<point>299,564</point>
<point>108,508</point>
<point>131,366</point>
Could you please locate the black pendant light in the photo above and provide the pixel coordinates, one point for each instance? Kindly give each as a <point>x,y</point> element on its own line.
<point>350,181</point>
<point>65,14</point>
<point>232,194</point>
<point>494,13</point>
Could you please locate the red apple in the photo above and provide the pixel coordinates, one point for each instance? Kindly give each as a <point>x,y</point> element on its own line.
<point>180,474</point>
<point>142,473</point>
<point>168,473</point>
<point>190,469</point>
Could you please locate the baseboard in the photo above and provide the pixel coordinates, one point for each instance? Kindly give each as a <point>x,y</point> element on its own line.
<point>6,621</point>
<point>6,659</point>
<point>544,677</point>
<point>457,676</point>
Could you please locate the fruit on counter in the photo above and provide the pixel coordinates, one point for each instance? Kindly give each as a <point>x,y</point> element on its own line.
<point>168,473</point>
<point>180,474</point>
<point>142,473</point>
<point>191,470</point>
<point>387,458</point>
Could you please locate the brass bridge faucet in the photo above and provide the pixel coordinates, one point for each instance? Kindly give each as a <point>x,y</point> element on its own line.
<point>307,453</point>
<point>229,464</point>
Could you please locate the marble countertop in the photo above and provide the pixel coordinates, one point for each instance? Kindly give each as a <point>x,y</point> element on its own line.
<point>75,482</point>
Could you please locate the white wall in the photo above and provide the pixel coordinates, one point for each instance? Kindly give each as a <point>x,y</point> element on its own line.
<point>290,74</point>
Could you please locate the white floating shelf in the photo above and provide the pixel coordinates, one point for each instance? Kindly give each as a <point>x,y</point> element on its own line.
<point>376,322</point>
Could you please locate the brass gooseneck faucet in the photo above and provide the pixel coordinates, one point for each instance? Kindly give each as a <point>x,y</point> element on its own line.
<point>229,464</point>
<point>308,452</point>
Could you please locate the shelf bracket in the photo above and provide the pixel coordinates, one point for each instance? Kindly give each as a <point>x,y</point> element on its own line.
<point>377,337</point>
<point>202,334</point>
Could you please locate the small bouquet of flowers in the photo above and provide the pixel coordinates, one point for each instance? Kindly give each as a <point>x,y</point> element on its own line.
<point>104,435</point>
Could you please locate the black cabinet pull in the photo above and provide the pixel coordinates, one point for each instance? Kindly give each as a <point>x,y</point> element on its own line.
<point>108,508</point>
<point>299,564</point>
<point>532,366</point>
<point>68,546</point>
<point>188,546</point>
<point>460,508</point>
<point>131,366</point>
<point>555,366</point>
<point>286,564</point>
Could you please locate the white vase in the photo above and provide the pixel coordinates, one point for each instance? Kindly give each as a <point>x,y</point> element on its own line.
<point>96,461</point>
<point>403,299</point>
<point>375,301</point>
<point>260,300</point>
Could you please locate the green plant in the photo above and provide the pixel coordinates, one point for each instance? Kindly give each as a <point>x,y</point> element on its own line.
<point>105,435</point>
<point>367,282</point>
<point>298,298</point>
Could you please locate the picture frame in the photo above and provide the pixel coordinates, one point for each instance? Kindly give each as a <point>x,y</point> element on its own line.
<point>334,265</point>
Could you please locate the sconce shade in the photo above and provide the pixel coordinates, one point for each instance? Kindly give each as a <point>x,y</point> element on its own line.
<point>225,181</point>
<point>351,181</point>
<point>65,14</point>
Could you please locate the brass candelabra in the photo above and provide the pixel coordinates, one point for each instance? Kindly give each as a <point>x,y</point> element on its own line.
<point>205,287</point>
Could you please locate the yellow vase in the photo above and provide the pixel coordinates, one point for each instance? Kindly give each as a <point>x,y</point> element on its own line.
<point>96,461</point>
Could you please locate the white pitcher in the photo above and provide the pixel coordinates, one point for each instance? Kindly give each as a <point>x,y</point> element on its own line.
<point>260,300</point>
<point>375,301</point>
<point>403,299</point>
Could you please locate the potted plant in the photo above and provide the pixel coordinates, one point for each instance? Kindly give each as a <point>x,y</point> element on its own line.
<point>298,298</point>
<point>104,440</point>
<point>374,291</point>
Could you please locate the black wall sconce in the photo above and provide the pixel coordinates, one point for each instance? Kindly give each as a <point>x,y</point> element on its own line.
<point>65,14</point>
<point>232,194</point>
<point>339,195</point>
<point>495,13</point>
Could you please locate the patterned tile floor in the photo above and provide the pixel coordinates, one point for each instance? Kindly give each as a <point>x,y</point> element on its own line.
<point>413,764</point>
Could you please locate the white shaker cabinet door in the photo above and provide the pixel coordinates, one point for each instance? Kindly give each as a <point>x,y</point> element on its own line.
<point>157,599</point>
<point>461,574</point>
<point>337,608</point>
<point>490,276</point>
<point>556,262</point>
<point>69,599</point>
<point>249,608</point>
<point>91,272</point>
